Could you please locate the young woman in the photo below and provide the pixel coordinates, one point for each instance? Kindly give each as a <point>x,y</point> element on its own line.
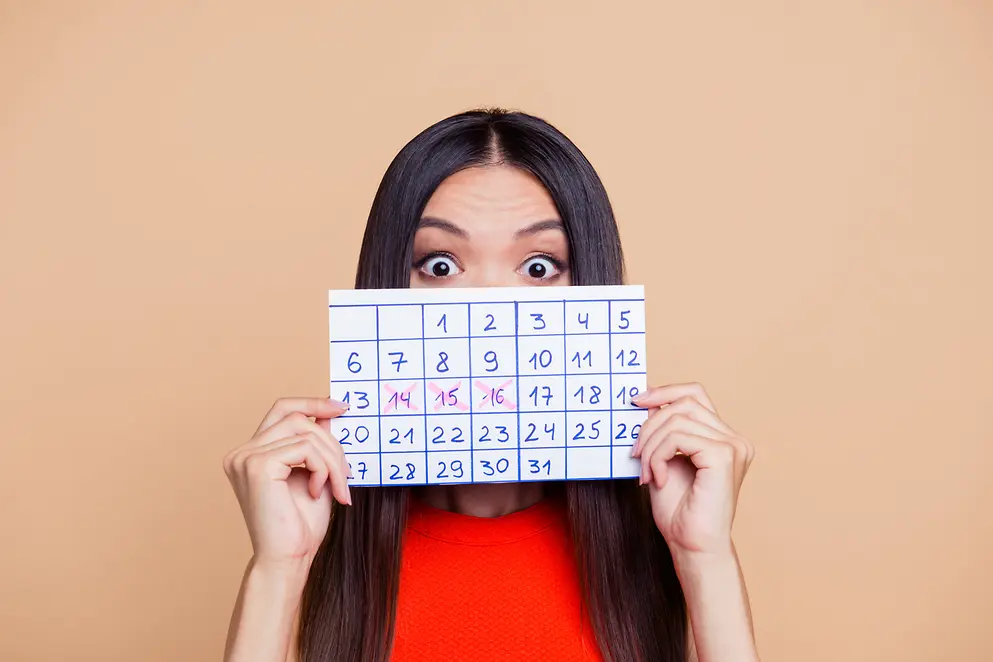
<point>598,570</point>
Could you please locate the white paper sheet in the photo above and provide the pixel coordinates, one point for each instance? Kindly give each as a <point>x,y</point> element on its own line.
<point>473,385</point>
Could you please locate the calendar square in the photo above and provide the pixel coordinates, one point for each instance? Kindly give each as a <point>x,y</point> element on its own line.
<point>491,319</point>
<point>499,466</point>
<point>401,359</point>
<point>587,317</point>
<point>587,463</point>
<point>356,434</point>
<point>493,356</point>
<point>542,393</point>
<point>627,316</point>
<point>448,396</point>
<point>362,397</point>
<point>542,318</point>
<point>543,464</point>
<point>541,355</point>
<point>447,357</point>
<point>398,398</point>
<point>624,388</point>
<point>354,361</point>
<point>449,433</point>
<point>446,320</point>
<point>404,469</point>
<point>494,431</point>
<point>398,434</point>
<point>398,322</point>
<point>588,353</point>
<point>473,385</point>
<point>450,467</point>
<point>364,468</point>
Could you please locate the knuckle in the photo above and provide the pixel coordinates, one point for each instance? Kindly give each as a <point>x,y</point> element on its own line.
<point>296,417</point>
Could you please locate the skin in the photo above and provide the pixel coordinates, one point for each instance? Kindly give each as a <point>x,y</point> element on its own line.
<point>491,226</point>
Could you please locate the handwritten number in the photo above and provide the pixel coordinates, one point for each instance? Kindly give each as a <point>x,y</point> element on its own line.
<point>546,394</point>
<point>544,359</point>
<point>442,362</point>
<point>503,433</point>
<point>396,472</point>
<point>625,394</point>
<point>486,434</point>
<point>538,318</point>
<point>395,439</point>
<point>584,320</point>
<point>491,357</point>
<point>443,323</point>
<point>501,466</point>
<point>353,365</point>
<point>632,358</point>
<point>624,319</point>
<point>439,433</point>
<point>588,357</point>
<point>399,362</point>
<point>536,466</point>
<point>490,326</point>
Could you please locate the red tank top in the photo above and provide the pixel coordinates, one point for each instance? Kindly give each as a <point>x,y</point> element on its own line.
<point>478,588</point>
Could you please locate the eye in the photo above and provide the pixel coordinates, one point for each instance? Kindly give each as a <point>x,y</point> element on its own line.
<point>540,267</point>
<point>439,265</point>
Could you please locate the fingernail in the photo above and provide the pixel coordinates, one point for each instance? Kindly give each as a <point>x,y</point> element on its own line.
<point>339,404</point>
<point>348,496</point>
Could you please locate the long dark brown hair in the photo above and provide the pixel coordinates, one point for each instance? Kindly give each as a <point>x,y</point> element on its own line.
<point>630,587</point>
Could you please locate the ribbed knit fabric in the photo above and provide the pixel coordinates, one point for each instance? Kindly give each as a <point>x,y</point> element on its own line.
<point>480,589</point>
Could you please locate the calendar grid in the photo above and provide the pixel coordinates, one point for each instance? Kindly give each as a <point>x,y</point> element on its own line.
<point>459,375</point>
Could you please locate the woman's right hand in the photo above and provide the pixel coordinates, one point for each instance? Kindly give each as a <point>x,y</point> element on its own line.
<point>285,476</point>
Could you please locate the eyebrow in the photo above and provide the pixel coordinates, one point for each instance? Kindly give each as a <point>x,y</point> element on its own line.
<point>540,226</point>
<point>451,228</point>
<point>442,224</point>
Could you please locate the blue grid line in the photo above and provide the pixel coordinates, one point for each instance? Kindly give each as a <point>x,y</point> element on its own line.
<point>496,376</point>
<point>379,418</point>
<point>424,371</point>
<point>478,303</point>
<point>610,383</point>
<point>472,457</point>
<point>565,366</point>
<point>495,335</point>
<point>517,383</point>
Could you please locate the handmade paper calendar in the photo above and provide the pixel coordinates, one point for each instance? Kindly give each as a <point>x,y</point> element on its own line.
<point>474,385</point>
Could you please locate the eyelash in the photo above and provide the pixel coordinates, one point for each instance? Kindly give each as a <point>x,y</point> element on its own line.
<point>419,264</point>
<point>560,266</point>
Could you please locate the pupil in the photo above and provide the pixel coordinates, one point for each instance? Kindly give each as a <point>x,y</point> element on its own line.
<point>440,269</point>
<point>536,270</point>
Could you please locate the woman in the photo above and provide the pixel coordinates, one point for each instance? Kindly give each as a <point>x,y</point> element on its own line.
<point>613,570</point>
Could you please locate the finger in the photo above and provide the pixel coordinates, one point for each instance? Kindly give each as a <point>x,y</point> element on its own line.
<point>327,445</point>
<point>676,423</point>
<point>277,462</point>
<point>686,406</point>
<point>293,423</point>
<point>310,407</point>
<point>660,396</point>
<point>703,452</point>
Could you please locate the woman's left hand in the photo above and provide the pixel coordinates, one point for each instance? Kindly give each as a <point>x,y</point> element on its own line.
<point>694,464</point>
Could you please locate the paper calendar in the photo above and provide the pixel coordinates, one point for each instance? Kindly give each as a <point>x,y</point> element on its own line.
<point>473,385</point>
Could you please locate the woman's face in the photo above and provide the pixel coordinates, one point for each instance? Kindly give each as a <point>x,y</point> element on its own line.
<point>490,226</point>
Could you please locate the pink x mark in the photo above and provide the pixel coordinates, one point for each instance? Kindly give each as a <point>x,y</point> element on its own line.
<point>435,389</point>
<point>395,400</point>
<point>490,392</point>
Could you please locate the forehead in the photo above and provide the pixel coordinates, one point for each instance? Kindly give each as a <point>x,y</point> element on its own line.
<point>486,194</point>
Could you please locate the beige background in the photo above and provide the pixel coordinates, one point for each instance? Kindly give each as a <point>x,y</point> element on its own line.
<point>806,189</point>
